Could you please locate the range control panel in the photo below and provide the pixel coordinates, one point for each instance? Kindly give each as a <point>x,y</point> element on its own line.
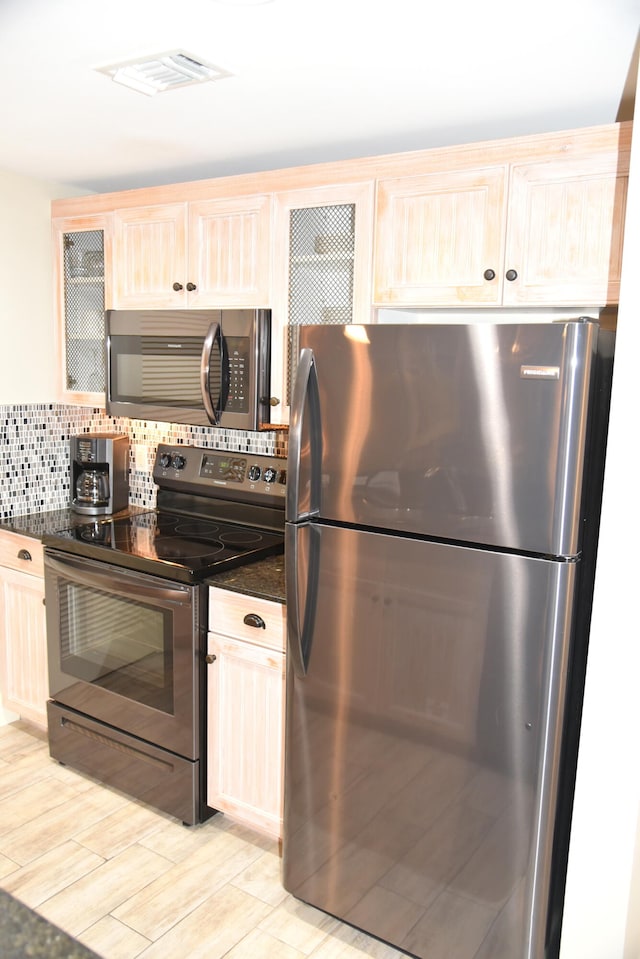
<point>217,471</point>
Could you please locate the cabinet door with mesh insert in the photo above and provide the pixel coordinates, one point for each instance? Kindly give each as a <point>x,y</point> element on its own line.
<point>323,267</point>
<point>82,248</point>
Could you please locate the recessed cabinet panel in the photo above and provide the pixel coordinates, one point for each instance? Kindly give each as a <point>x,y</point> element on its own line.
<point>23,642</point>
<point>436,237</point>
<point>245,688</point>
<point>150,256</point>
<point>245,708</point>
<point>229,252</point>
<point>565,230</point>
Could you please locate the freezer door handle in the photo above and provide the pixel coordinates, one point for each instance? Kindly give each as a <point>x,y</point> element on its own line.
<point>305,390</point>
<point>300,628</point>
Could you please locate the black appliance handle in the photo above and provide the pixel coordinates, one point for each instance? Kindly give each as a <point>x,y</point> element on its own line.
<point>205,371</point>
<point>300,631</point>
<point>214,410</point>
<point>116,579</point>
<point>305,388</point>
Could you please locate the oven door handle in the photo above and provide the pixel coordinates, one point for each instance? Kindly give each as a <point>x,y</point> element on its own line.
<point>116,578</point>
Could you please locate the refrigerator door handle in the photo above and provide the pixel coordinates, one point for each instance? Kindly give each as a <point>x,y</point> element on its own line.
<point>306,388</point>
<point>300,631</point>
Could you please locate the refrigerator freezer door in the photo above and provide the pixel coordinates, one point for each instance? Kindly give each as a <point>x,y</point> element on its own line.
<point>473,433</point>
<point>422,740</point>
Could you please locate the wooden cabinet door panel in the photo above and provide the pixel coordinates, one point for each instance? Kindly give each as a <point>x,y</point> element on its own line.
<point>150,255</point>
<point>565,230</point>
<point>437,235</point>
<point>245,686</point>
<point>25,681</point>
<point>229,252</point>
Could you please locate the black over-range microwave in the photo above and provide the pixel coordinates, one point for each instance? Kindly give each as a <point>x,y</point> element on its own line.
<point>202,367</point>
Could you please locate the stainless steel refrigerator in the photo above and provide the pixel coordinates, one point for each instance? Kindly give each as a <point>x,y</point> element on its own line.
<point>441,533</point>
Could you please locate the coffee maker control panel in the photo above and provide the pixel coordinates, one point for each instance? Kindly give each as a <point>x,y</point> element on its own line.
<point>86,449</point>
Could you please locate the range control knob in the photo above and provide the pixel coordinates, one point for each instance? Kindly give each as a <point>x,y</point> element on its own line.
<point>254,473</point>
<point>178,462</point>
<point>283,477</point>
<point>270,475</point>
<point>165,460</point>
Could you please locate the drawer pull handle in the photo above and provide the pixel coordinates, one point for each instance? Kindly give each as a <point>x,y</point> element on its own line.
<point>252,619</point>
<point>24,554</point>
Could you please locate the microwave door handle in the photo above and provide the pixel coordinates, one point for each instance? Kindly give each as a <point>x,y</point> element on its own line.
<point>205,373</point>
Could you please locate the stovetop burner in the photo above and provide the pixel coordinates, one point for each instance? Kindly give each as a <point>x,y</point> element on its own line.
<point>208,518</point>
<point>193,548</point>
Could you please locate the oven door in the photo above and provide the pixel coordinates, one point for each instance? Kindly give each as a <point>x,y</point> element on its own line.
<point>124,649</point>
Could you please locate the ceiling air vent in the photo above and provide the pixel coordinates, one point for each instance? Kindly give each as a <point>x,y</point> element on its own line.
<point>163,71</point>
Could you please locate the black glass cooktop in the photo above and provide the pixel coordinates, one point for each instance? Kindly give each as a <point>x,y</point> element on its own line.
<point>178,547</point>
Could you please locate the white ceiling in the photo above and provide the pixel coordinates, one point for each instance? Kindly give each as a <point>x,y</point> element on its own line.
<point>310,81</point>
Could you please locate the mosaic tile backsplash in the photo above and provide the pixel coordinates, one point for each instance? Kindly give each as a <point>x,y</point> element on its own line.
<point>34,458</point>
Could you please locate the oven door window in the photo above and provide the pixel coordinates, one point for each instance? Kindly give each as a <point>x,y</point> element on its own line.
<point>124,648</point>
<point>121,645</point>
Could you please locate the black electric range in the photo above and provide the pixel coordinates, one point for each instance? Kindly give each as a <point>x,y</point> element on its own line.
<point>127,616</point>
<point>214,511</point>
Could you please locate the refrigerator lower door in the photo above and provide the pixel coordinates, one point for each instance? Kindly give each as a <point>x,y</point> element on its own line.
<point>424,706</point>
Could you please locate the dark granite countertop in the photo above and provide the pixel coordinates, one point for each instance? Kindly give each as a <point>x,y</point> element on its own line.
<point>264,578</point>
<point>25,935</point>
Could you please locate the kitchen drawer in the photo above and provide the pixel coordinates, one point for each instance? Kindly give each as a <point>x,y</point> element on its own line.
<point>15,550</point>
<point>227,611</point>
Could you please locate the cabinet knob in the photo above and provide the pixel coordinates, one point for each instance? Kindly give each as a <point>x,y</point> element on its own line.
<point>511,275</point>
<point>191,287</point>
<point>489,274</point>
<point>274,401</point>
<point>252,619</point>
<point>177,287</point>
<point>24,554</point>
<point>210,658</point>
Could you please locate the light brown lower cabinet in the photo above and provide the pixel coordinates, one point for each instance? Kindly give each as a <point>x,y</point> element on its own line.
<point>245,714</point>
<point>23,638</point>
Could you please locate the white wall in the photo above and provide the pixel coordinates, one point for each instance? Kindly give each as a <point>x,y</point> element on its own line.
<point>602,906</point>
<point>27,373</point>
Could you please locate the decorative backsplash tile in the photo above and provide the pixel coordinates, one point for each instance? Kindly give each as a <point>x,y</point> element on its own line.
<point>34,452</point>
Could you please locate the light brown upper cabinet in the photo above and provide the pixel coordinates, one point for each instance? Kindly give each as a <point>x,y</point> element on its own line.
<point>437,235</point>
<point>543,232</point>
<point>565,231</point>
<point>207,253</point>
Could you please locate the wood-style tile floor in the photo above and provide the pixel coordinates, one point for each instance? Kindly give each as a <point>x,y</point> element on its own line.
<point>128,881</point>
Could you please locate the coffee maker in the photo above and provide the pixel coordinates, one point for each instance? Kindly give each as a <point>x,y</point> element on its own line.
<point>99,473</point>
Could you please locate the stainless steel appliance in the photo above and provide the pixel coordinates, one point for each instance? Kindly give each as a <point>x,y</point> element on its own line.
<point>99,473</point>
<point>442,517</point>
<point>127,616</point>
<point>202,367</point>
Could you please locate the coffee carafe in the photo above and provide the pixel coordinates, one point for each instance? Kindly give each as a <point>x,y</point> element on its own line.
<point>92,488</point>
<point>99,473</point>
